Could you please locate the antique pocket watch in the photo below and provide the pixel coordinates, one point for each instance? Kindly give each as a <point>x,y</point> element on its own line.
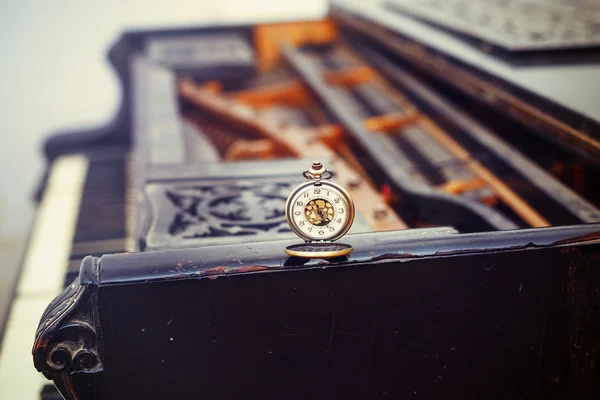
<point>320,212</point>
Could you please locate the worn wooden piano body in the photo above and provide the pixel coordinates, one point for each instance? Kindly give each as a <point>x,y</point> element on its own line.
<point>476,266</point>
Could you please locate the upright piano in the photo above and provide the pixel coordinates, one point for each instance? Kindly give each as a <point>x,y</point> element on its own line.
<point>468,135</point>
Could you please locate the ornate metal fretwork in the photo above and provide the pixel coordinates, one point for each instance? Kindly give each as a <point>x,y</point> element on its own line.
<point>218,212</point>
<point>237,209</point>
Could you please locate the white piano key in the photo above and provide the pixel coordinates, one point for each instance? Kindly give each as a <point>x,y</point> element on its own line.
<point>42,276</point>
<point>18,378</point>
<point>47,257</point>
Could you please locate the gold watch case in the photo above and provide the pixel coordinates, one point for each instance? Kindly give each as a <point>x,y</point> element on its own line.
<point>318,176</point>
<point>348,203</point>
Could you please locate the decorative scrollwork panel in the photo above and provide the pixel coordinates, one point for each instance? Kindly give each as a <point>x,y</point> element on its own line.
<point>217,212</point>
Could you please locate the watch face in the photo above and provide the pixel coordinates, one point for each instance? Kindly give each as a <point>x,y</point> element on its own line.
<point>320,212</point>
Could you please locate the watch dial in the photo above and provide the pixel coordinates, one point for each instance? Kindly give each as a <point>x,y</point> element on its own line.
<point>319,212</point>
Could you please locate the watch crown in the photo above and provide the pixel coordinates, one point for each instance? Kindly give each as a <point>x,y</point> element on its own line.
<point>317,172</point>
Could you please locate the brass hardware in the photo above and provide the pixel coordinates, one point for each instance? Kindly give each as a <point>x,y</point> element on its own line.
<point>319,250</point>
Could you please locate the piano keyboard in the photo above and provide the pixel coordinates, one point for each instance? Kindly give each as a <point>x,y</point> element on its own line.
<point>42,276</point>
<point>82,213</point>
<point>101,223</point>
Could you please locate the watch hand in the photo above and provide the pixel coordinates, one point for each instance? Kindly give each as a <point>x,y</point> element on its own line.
<point>320,213</point>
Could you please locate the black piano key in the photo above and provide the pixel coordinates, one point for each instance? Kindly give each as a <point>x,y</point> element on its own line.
<point>102,210</point>
<point>101,223</point>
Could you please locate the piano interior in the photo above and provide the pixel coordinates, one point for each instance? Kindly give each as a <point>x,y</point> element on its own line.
<point>318,94</point>
<point>215,128</point>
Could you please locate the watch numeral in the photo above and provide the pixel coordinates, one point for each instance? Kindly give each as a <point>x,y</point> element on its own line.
<point>306,195</point>
<point>331,229</point>
<point>321,232</point>
<point>328,193</point>
<point>336,200</point>
<point>339,221</point>
<point>310,229</point>
<point>317,191</point>
<point>301,223</point>
<point>341,210</point>
<point>297,213</point>
<point>299,203</point>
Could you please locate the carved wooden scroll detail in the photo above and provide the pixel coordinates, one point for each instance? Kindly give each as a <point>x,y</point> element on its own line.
<point>67,348</point>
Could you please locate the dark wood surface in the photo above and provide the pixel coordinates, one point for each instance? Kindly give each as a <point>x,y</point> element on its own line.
<point>424,313</point>
<point>483,326</point>
<point>371,247</point>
